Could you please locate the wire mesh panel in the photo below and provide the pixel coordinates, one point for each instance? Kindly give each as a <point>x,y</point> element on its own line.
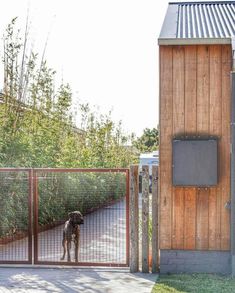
<point>15,216</point>
<point>101,196</point>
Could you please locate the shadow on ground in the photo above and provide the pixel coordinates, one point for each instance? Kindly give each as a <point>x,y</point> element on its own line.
<point>74,280</point>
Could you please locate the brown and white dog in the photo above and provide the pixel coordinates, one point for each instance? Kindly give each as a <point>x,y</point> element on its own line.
<point>71,232</point>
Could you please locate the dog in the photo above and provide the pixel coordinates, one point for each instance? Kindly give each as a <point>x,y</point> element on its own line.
<point>71,232</point>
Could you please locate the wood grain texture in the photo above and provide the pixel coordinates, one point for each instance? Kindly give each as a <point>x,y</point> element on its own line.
<point>178,129</point>
<point>145,219</point>
<point>178,90</point>
<point>190,129</point>
<point>155,244</point>
<point>215,128</point>
<point>194,101</point>
<point>165,176</point>
<point>203,119</point>
<point>134,219</point>
<point>202,219</point>
<point>225,142</point>
<point>203,116</point>
<point>214,219</point>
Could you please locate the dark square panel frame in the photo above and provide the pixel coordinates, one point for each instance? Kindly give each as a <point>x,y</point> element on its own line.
<point>195,162</point>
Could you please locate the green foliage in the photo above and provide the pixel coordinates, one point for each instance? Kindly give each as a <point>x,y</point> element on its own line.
<point>62,193</point>
<point>37,127</point>
<point>148,141</point>
<point>195,283</point>
<point>59,194</point>
<point>14,203</point>
<point>104,144</point>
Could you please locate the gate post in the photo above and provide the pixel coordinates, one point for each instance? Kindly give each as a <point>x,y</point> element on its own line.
<point>134,219</point>
<point>145,219</point>
<point>30,217</point>
<point>155,226</point>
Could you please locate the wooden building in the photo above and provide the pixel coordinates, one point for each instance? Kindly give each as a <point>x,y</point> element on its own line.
<point>195,52</point>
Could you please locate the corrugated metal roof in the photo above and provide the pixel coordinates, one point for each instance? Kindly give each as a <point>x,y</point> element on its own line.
<point>199,22</point>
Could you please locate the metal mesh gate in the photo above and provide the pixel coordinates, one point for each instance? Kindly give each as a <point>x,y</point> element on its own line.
<point>35,204</point>
<point>101,196</point>
<point>15,216</point>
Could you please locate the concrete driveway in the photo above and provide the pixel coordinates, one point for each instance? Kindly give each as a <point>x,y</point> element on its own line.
<point>74,280</point>
<point>103,239</point>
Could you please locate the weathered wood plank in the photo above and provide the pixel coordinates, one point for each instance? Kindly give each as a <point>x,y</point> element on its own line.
<point>155,226</point>
<point>134,219</point>
<point>190,130</point>
<point>178,90</point>
<point>214,202</point>
<point>202,219</point>
<point>210,111</point>
<point>190,90</point>
<point>190,218</point>
<point>203,117</point>
<point>178,218</point>
<point>225,167</point>
<point>215,99</point>
<point>165,176</point>
<point>178,129</point>
<point>145,219</point>
<point>215,129</point>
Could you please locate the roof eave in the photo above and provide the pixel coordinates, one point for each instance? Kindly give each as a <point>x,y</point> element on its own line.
<point>194,41</point>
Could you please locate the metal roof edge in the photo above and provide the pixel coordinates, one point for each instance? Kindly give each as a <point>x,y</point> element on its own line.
<point>200,2</point>
<point>170,23</point>
<point>194,41</point>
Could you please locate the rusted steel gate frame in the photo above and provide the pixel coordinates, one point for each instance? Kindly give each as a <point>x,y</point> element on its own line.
<point>33,215</point>
<point>35,207</point>
<point>30,197</point>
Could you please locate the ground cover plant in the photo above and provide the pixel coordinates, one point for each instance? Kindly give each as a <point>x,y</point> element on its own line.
<point>195,283</point>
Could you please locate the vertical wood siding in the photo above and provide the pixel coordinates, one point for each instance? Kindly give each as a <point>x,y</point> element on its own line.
<point>194,100</point>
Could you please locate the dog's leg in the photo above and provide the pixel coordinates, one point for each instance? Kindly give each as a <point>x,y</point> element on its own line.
<point>68,248</point>
<point>64,246</point>
<point>77,242</point>
<point>76,250</point>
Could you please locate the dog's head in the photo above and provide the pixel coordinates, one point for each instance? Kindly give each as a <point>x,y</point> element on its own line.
<point>76,218</point>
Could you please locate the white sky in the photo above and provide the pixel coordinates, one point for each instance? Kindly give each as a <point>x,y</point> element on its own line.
<point>106,49</point>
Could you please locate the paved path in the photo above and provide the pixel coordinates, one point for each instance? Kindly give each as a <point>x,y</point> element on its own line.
<point>24,280</point>
<point>103,239</point>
